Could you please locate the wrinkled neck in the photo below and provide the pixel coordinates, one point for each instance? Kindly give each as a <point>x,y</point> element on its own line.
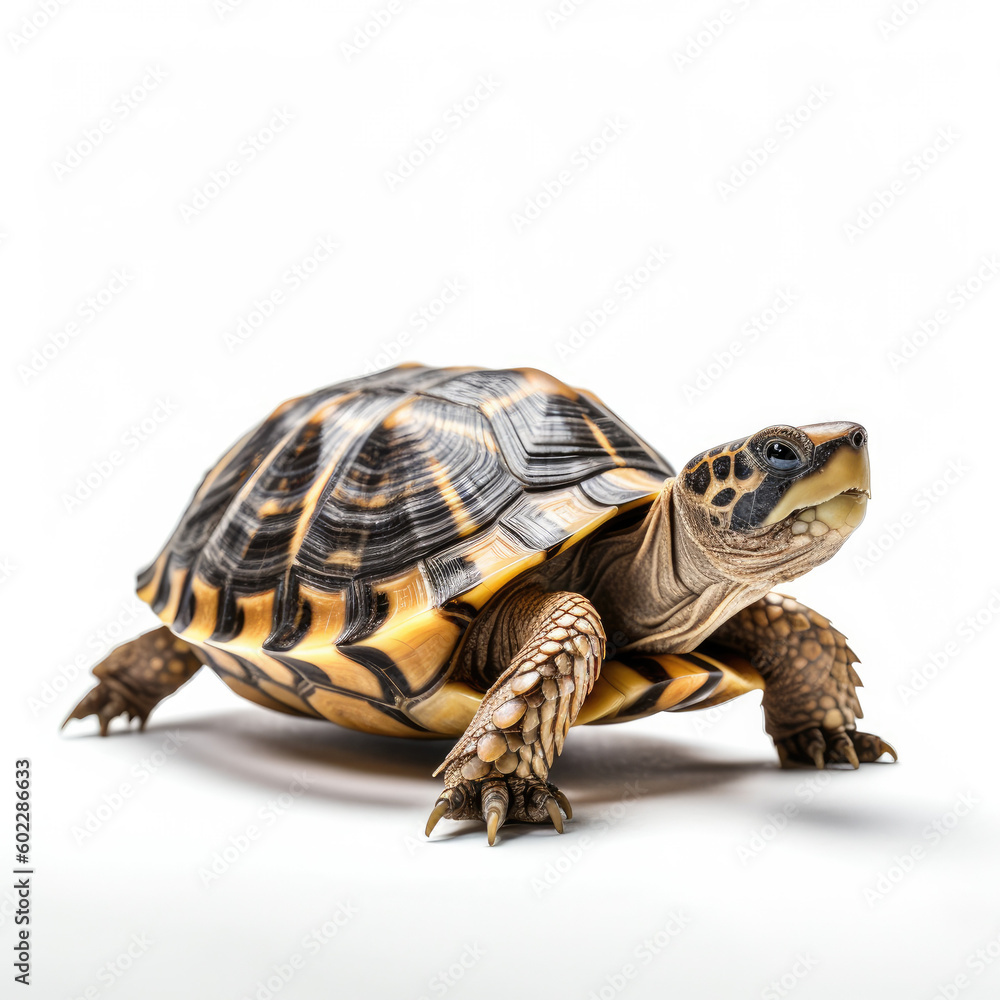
<point>667,564</point>
<point>665,591</point>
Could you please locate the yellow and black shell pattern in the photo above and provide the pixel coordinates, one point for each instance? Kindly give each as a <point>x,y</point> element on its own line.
<point>331,561</point>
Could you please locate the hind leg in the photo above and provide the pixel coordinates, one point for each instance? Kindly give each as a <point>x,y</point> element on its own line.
<point>499,768</point>
<point>136,676</point>
<point>810,702</point>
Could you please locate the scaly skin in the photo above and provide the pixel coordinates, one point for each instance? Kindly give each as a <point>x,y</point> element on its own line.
<point>136,676</point>
<point>810,702</point>
<point>499,768</point>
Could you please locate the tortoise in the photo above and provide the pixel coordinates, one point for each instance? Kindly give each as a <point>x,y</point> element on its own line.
<point>493,557</point>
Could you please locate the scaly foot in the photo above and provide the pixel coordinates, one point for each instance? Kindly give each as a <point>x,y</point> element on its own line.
<point>498,799</point>
<point>136,676</point>
<point>815,747</point>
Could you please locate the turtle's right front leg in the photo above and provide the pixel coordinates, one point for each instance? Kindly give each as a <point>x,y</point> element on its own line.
<point>499,769</point>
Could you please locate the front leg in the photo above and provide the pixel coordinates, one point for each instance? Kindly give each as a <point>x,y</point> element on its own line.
<point>810,702</point>
<point>499,768</point>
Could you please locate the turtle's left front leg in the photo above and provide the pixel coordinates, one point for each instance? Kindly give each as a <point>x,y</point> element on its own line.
<point>810,702</point>
<point>498,770</point>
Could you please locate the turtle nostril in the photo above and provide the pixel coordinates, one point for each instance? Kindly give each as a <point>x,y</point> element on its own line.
<point>859,438</point>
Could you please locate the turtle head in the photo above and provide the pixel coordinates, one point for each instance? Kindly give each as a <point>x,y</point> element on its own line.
<point>779,502</point>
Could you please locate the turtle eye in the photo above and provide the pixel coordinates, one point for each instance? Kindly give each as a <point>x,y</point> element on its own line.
<point>781,455</point>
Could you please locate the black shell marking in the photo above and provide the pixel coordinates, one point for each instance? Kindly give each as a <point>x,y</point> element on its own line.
<point>372,477</point>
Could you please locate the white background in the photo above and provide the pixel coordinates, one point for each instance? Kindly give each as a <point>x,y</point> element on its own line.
<point>119,844</point>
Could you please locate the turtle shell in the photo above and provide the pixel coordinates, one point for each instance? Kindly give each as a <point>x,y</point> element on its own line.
<point>332,559</point>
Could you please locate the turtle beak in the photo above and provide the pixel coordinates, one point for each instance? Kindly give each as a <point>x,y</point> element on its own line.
<point>840,485</point>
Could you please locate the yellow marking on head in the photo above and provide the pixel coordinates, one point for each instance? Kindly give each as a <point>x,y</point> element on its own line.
<point>848,469</point>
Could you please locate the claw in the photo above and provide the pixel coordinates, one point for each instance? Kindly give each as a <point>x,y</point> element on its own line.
<point>494,809</point>
<point>85,707</point>
<point>818,759</point>
<point>564,802</point>
<point>871,747</point>
<point>554,814</point>
<point>440,808</point>
<point>842,750</point>
<point>492,825</point>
